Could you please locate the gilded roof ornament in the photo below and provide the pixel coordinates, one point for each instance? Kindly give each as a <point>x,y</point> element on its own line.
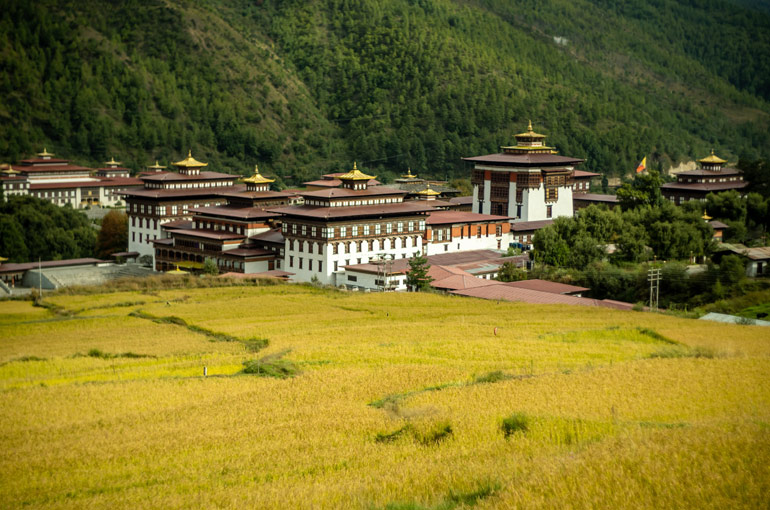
<point>530,133</point>
<point>706,216</point>
<point>428,192</point>
<point>189,162</point>
<point>409,174</point>
<point>45,153</point>
<point>712,159</point>
<point>10,171</point>
<point>356,175</point>
<point>113,162</point>
<point>156,166</point>
<point>258,178</point>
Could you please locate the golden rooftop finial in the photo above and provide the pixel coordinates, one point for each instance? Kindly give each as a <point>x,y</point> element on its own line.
<point>529,128</point>
<point>356,175</point>
<point>257,178</point>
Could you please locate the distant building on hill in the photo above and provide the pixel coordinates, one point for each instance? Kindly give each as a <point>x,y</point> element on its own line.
<point>60,182</point>
<point>527,181</point>
<point>711,177</point>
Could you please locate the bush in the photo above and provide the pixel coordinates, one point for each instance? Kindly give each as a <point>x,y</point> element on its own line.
<point>434,434</point>
<point>517,422</point>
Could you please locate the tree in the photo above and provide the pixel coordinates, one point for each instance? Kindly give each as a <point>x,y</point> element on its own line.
<point>113,236</point>
<point>509,272</point>
<point>210,267</point>
<point>417,277</point>
<point>644,190</point>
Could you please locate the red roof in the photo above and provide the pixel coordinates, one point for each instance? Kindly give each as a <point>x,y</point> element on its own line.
<point>508,293</point>
<point>546,286</point>
<point>535,159</point>
<point>271,236</point>
<point>181,193</point>
<point>582,174</point>
<point>248,252</point>
<point>459,282</point>
<point>461,200</point>
<point>51,168</point>
<point>711,173</point>
<point>327,213</point>
<point>219,235</point>
<point>26,266</point>
<point>352,193</point>
<point>334,183</point>
<point>447,217</point>
<point>526,226</point>
<point>241,213</point>
<point>704,186</point>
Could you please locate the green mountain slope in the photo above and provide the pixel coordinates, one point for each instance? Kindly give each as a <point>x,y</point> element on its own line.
<point>303,87</point>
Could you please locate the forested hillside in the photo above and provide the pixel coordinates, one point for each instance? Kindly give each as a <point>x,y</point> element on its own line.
<point>304,88</point>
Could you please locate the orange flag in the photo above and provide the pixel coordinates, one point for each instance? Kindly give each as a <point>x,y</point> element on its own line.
<point>642,166</point>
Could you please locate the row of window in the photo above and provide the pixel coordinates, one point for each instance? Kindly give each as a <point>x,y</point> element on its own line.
<point>349,203</point>
<point>187,185</point>
<point>346,247</point>
<point>163,210</point>
<point>365,229</point>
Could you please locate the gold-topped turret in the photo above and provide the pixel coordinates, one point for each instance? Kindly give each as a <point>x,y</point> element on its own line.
<point>156,166</point>
<point>189,162</point>
<point>712,159</point>
<point>356,175</point>
<point>706,216</point>
<point>258,178</point>
<point>409,174</point>
<point>10,171</point>
<point>45,154</point>
<point>112,162</point>
<point>529,142</point>
<point>530,133</point>
<point>429,192</point>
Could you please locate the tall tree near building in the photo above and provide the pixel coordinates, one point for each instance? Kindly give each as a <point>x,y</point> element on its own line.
<point>113,236</point>
<point>417,277</point>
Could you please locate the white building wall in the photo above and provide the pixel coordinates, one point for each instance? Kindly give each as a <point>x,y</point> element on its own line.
<point>328,258</point>
<point>257,266</point>
<point>475,208</point>
<point>485,242</point>
<point>512,199</point>
<point>563,206</point>
<point>487,197</point>
<point>367,281</point>
<point>143,227</point>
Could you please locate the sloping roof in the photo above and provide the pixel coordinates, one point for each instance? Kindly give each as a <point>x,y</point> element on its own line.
<point>704,186</point>
<point>461,200</point>
<point>461,281</point>
<point>352,193</point>
<point>525,159</point>
<point>271,236</point>
<point>525,226</point>
<point>716,224</point>
<point>27,266</point>
<point>173,176</point>
<point>182,193</point>
<point>240,213</point>
<point>547,286</point>
<point>308,211</point>
<point>595,197</point>
<point>582,174</point>
<point>508,293</point>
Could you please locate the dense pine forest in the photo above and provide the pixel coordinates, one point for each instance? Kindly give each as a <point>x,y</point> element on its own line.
<point>304,88</point>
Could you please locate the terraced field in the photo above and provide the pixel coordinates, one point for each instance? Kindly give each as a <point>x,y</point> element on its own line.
<point>324,399</point>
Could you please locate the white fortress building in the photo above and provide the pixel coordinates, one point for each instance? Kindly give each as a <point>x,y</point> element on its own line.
<point>527,181</point>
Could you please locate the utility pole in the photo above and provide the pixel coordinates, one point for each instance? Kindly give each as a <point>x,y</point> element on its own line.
<point>653,276</point>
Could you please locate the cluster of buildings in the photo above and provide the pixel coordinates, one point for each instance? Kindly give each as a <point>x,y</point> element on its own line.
<point>348,229</point>
<point>345,229</point>
<point>62,183</point>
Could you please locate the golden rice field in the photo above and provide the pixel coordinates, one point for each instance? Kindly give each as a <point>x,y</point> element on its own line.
<point>400,401</point>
